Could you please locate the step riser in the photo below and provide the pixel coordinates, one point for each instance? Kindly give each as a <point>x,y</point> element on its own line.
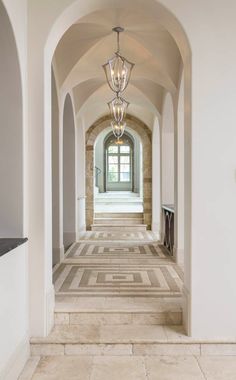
<point>118,201</point>
<point>133,349</point>
<point>128,228</point>
<point>104,319</point>
<point>123,222</point>
<point>117,215</point>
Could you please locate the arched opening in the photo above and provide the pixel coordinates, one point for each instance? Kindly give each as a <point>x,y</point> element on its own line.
<point>63,20</point>
<point>57,240</point>
<point>156,179</point>
<point>141,201</point>
<point>11,133</point>
<point>167,144</point>
<point>118,184</point>
<point>69,175</point>
<point>180,176</point>
<point>168,174</point>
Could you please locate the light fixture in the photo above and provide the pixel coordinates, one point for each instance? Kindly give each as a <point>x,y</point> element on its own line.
<point>118,69</point>
<point>119,142</point>
<point>118,129</point>
<point>118,107</point>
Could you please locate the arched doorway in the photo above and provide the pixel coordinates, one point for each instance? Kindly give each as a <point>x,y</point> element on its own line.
<point>69,175</point>
<point>63,19</point>
<point>143,179</point>
<point>119,163</point>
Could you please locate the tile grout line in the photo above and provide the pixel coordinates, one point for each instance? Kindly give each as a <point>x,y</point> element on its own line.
<point>203,373</point>
<point>145,367</point>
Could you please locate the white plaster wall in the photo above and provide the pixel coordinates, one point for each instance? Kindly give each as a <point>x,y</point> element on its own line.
<point>11,133</point>
<point>14,317</point>
<point>69,185</point>
<point>179,241</point>
<point>156,179</point>
<point>80,176</point>
<point>14,312</point>
<point>167,133</point>
<point>99,157</point>
<point>57,223</point>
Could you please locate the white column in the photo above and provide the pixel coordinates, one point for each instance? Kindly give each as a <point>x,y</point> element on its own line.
<point>69,185</point>
<point>57,228</point>
<point>179,174</point>
<point>40,202</point>
<point>80,178</point>
<point>156,179</point>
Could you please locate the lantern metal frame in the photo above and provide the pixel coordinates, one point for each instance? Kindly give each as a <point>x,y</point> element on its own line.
<point>118,107</point>
<point>120,65</point>
<point>118,128</point>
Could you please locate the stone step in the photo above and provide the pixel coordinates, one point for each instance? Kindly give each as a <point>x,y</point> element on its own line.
<point>126,340</point>
<point>118,227</point>
<point>122,201</point>
<point>74,339</point>
<point>119,215</point>
<point>118,194</point>
<point>118,318</point>
<point>118,221</point>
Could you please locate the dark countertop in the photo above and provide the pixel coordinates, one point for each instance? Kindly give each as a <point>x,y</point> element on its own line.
<point>170,208</point>
<point>8,244</point>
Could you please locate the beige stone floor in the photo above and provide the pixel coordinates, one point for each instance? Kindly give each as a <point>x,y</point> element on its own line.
<point>111,269</point>
<point>112,291</point>
<point>130,368</point>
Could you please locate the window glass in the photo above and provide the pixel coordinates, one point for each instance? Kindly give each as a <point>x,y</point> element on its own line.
<point>113,159</point>
<point>124,177</point>
<point>113,168</point>
<point>113,149</point>
<point>124,159</point>
<point>112,177</point>
<point>124,168</point>
<point>124,149</point>
<point>119,161</point>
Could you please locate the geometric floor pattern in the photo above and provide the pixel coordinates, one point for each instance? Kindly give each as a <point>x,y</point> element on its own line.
<point>108,250</point>
<point>98,268</point>
<point>117,235</point>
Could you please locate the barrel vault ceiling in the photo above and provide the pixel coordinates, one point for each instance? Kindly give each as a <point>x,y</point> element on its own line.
<point>88,44</point>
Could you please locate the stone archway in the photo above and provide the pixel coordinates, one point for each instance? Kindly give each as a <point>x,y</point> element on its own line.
<point>146,137</point>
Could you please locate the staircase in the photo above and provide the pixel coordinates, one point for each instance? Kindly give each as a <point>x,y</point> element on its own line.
<point>118,209</point>
<point>104,221</point>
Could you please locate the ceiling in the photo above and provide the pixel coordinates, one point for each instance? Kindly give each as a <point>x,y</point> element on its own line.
<point>88,44</point>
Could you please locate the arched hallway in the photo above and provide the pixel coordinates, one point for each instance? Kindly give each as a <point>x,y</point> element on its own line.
<point>117,196</point>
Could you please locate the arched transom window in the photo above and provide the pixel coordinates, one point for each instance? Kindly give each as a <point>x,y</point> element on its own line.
<point>119,158</point>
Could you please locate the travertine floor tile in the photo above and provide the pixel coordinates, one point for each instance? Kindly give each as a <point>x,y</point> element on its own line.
<point>29,368</point>
<point>131,333</point>
<point>64,368</point>
<point>218,367</point>
<point>173,368</point>
<point>117,368</point>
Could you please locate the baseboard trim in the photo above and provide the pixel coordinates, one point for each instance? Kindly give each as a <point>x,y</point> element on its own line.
<point>178,255</point>
<point>58,255</point>
<point>81,231</point>
<point>50,305</point>
<point>186,297</point>
<point>17,361</point>
<point>156,230</point>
